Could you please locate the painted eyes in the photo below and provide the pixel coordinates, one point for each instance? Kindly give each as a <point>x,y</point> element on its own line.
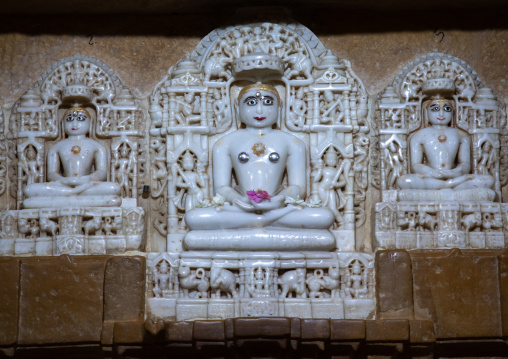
<point>71,117</point>
<point>265,100</point>
<point>436,108</point>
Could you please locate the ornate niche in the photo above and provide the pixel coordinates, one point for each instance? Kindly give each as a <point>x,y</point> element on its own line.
<point>325,105</point>
<point>448,215</point>
<point>192,109</point>
<point>75,224</point>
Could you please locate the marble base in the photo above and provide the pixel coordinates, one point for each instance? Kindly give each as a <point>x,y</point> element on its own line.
<point>72,201</point>
<point>440,222</point>
<point>297,308</point>
<point>359,308</point>
<point>477,194</point>
<point>221,285</point>
<point>260,239</point>
<point>327,308</point>
<point>72,230</point>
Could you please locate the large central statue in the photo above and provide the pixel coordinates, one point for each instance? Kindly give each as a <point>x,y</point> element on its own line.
<point>258,156</point>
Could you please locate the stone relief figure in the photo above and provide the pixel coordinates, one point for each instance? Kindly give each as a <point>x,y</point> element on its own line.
<point>258,283</point>
<point>487,160</point>
<point>31,166</point>
<point>355,281</point>
<point>446,150</point>
<point>125,161</point>
<point>77,167</point>
<point>162,280</point>
<point>331,179</point>
<point>259,156</point>
<point>190,183</point>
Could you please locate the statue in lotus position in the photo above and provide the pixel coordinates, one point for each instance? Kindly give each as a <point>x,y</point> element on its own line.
<point>76,169</point>
<point>440,154</point>
<point>259,156</point>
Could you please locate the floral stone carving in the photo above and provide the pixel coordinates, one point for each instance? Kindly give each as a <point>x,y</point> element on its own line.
<point>438,133</point>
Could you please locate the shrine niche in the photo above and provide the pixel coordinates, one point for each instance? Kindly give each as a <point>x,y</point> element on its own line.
<point>77,158</point>
<point>259,167</point>
<point>439,135</point>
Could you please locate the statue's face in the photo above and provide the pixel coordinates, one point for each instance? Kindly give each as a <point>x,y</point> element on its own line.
<point>188,163</point>
<point>76,123</point>
<point>258,108</point>
<point>331,158</point>
<point>440,112</point>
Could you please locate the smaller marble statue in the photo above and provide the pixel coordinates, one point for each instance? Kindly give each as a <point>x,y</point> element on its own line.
<point>440,157</point>
<point>76,169</point>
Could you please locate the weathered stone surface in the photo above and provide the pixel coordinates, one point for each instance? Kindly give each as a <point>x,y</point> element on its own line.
<point>459,292</point>
<point>259,327</point>
<point>141,61</point>
<point>61,299</point>
<point>387,330</point>
<point>129,332</point>
<point>212,330</point>
<point>394,285</point>
<point>315,329</point>
<point>347,329</point>
<point>421,331</point>
<point>503,286</point>
<point>179,331</point>
<point>9,297</point>
<point>124,288</point>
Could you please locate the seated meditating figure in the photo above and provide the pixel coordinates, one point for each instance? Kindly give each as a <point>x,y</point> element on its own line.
<point>76,169</point>
<point>259,156</point>
<point>440,159</point>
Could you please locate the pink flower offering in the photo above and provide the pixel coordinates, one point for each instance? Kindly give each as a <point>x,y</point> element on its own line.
<point>258,196</point>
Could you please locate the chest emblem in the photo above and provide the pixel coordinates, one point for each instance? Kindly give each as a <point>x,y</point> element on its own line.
<point>76,149</point>
<point>442,138</point>
<point>259,149</point>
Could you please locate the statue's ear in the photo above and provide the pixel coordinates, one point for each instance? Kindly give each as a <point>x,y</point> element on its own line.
<point>236,109</point>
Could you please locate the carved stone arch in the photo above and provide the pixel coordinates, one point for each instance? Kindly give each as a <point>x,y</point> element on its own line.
<point>80,69</point>
<point>312,43</point>
<point>424,64</point>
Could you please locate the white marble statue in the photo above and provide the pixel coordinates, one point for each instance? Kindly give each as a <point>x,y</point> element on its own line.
<point>76,169</point>
<point>259,156</point>
<point>446,151</point>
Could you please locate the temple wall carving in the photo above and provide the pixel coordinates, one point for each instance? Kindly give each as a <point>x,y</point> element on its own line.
<point>146,172</point>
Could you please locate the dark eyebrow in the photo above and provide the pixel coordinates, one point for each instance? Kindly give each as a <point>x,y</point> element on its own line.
<point>249,98</point>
